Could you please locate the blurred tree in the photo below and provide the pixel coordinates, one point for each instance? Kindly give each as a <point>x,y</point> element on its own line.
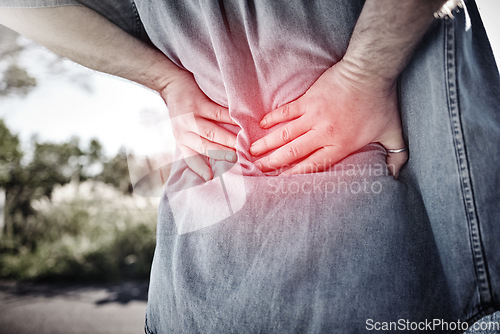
<point>10,161</point>
<point>18,79</point>
<point>115,172</point>
<point>51,164</point>
<point>10,155</point>
<point>26,178</point>
<point>14,78</point>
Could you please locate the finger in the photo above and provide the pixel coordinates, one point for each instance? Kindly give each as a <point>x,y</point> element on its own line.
<point>214,133</point>
<point>393,139</point>
<point>318,161</point>
<point>291,152</point>
<point>215,112</point>
<point>280,137</point>
<point>205,147</point>
<point>284,113</point>
<point>395,161</point>
<point>196,162</point>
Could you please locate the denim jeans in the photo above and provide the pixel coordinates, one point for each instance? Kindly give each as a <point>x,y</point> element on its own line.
<point>348,250</point>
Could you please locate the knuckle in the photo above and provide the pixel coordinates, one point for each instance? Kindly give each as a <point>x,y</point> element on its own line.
<point>329,128</point>
<point>218,114</point>
<point>293,152</point>
<point>285,111</point>
<point>284,134</point>
<point>210,134</point>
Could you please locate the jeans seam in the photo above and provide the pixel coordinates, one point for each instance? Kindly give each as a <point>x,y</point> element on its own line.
<point>138,26</point>
<point>146,327</point>
<point>463,165</point>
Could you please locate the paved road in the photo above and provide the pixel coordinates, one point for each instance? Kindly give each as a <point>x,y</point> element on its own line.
<point>72,309</point>
<point>89,309</point>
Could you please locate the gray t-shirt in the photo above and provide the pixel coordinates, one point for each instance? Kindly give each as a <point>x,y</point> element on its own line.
<point>244,57</point>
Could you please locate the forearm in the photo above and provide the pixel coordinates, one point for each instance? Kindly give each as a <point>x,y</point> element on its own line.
<point>385,37</point>
<point>87,38</point>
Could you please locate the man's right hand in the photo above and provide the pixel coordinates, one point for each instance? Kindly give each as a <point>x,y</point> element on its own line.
<point>198,135</point>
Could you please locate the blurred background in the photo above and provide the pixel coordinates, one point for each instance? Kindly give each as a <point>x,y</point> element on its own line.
<point>68,213</point>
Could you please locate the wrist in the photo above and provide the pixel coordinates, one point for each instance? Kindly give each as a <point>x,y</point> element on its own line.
<point>178,81</point>
<point>365,79</point>
<point>160,72</point>
<point>385,37</point>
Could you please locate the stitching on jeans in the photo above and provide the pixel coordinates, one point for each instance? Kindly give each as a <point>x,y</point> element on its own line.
<point>137,19</point>
<point>463,165</point>
<point>146,328</point>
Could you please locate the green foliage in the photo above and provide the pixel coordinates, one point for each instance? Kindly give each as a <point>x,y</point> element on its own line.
<point>59,224</point>
<point>16,78</point>
<point>13,77</point>
<point>113,173</point>
<point>97,235</point>
<point>78,237</point>
<point>51,164</point>
<point>10,155</point>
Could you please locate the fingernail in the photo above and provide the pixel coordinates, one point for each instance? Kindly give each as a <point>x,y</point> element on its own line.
<point>254,149</point>
<point>263,122</point>
<point>206,177</point>
<point>231,157</point>
<point>258,165</point>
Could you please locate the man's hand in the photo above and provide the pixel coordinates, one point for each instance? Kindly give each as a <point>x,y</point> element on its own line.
<point>337,116</point>
<point>354,102</point>
<point>198,136</point>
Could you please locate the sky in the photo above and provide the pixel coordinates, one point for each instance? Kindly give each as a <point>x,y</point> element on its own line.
<point>79,102</point>
<point>120,114</point>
